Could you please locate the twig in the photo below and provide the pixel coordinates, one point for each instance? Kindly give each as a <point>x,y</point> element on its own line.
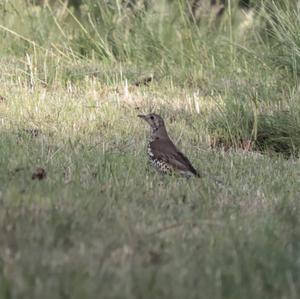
<point>181,223</point>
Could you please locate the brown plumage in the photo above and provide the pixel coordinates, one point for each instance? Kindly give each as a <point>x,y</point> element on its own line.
<point>163,154</point>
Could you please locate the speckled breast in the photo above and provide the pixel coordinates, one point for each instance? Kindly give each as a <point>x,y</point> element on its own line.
<point>159,164</point>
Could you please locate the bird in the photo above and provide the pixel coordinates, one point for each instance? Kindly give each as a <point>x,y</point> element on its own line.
<point>162,152</point>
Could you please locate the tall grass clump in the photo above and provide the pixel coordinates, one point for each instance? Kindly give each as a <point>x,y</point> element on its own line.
<point>239,125</point>
<point>282,27</point>
<point>279,133</point>
<point>268,118</point>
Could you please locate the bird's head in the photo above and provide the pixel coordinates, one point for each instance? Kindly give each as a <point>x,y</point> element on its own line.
<point>155,121</point>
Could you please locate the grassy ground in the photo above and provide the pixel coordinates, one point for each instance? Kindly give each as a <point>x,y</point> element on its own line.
<point>102,223</point>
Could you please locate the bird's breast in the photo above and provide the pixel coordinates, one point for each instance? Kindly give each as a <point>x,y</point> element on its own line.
<point>159,164</point>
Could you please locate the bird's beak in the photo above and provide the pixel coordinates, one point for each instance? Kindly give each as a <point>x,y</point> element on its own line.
<point>142,116</point>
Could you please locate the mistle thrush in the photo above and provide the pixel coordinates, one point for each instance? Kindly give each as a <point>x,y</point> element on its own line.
<point>162,152</point>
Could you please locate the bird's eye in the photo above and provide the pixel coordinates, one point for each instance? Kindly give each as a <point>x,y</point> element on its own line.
<point>152,117</point>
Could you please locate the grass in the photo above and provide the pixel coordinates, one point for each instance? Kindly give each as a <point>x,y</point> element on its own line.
<point>102,223</point>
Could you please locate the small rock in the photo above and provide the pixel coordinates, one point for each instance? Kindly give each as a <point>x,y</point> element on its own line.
<point>39,173</point>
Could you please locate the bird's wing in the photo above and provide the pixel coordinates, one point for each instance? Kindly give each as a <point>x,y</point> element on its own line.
<point>187,163</point>
<point>167,152</point>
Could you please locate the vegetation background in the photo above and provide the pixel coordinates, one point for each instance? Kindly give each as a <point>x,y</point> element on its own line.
<point>83,216</point>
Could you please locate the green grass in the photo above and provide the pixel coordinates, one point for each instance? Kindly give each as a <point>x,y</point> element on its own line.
<point>103,223</point>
